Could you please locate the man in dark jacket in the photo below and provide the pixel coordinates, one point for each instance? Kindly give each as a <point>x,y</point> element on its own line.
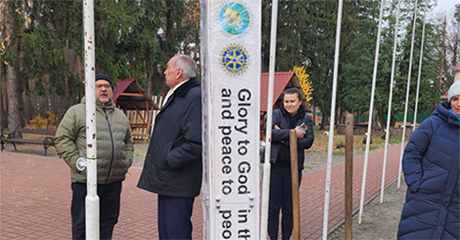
<point>115,148</point>
<point>291,115</point>
<point>173,164</point>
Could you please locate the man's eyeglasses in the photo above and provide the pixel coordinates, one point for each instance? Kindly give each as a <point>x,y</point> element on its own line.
<point>103,85</point>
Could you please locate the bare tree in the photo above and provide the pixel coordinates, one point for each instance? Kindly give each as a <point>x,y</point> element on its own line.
<point>452,53</point>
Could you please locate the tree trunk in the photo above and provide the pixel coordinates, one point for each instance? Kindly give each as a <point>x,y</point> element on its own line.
<point>14,120</point>
<point>393,121</point>
<point>149,90</point>
<point>4,105</point>
<point>375,120</point>
<point>314,113</point>
<point>342,117</point>
<point>27,107</point>
<point>382,119</point>
<point>324,121</point>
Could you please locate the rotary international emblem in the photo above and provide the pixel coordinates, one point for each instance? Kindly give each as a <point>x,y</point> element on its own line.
<point>234,18</point>
<point>234,59</point>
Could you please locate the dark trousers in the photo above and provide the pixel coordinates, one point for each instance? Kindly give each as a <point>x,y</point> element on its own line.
<point>280,198</point>
<point>109,209</point>
<point>174,217</point>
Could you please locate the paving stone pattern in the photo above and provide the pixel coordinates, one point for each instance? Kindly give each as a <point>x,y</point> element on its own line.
<point>35,198</point>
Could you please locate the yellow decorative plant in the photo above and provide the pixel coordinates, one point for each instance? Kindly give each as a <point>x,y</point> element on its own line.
<point>305,84</point>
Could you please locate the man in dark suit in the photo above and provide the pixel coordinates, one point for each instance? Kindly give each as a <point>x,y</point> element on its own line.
<point>173,164</point>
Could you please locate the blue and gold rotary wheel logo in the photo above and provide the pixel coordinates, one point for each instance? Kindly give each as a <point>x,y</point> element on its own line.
<point>234,59</point>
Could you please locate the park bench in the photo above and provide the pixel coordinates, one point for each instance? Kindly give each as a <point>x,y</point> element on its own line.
<point>48,140</point>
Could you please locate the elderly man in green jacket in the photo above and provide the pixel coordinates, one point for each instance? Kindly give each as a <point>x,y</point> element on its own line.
<point>114,157</point>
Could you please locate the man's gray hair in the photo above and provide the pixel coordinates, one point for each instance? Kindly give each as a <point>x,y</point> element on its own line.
<point>187,64</point>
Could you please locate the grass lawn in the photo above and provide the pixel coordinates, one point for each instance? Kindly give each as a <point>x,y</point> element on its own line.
<point>359,142</point>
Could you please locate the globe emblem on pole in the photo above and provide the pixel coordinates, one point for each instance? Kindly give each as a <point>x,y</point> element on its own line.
<point>234,18</point>
<point>234,59</point>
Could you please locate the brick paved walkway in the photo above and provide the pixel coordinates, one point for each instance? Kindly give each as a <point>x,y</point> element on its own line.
<point>35,198</point>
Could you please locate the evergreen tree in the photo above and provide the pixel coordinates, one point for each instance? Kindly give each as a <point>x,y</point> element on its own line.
<point>359,60</point>
<point>51,41</point>
<point>138,44</point>
<point>318,47</point>
<point>431,62</point>
<point>291,23</point>
<point>170,37</point>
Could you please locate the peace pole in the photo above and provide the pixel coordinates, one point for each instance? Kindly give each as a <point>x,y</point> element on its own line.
<point>231,67</point>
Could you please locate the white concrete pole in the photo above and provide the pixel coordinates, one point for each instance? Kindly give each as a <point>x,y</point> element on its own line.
<point>331,122</point>
<point>268,136</point>
<point>407,95</point>
<point>371,115</point>
<point>390,99</point>
<point>419,71</point>
<point>92,200</point>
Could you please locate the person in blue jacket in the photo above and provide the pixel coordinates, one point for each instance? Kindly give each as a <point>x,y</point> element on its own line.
<point>431,169</point>
<point>173,164</point>
<point>290,116</point>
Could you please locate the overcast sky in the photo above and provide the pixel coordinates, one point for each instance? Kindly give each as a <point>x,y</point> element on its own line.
<point>445,7</point>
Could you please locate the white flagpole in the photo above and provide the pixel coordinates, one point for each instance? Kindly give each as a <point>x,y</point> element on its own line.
<point>92,200</point>
<point>390,99</point>
<point>331,122</point>
<point>371,115</point>
<point>407,95</point>
<point>419,71</point>
<point>268,136</point>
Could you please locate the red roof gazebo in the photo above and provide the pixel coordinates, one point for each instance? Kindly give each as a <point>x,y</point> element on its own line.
<point>282,81</point>
<point>129,96</point>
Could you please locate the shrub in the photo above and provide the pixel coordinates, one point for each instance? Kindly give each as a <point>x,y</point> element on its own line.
<point>365,139</point>
<point>44,123</point>
<point>339,144</point>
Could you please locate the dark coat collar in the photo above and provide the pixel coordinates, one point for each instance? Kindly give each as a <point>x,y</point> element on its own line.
<point>182,90</point>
